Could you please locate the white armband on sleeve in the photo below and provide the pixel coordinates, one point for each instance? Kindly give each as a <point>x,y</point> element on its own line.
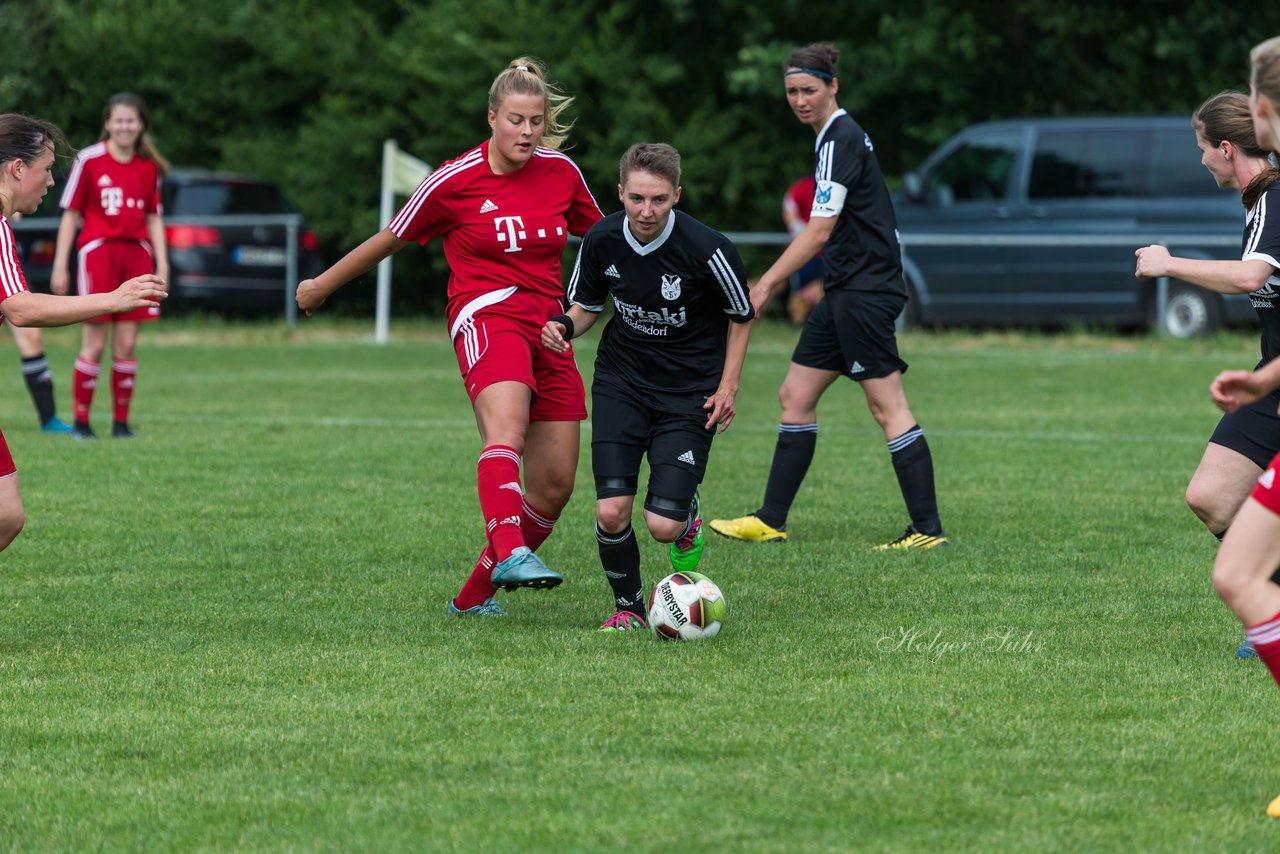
<point>828,199</point>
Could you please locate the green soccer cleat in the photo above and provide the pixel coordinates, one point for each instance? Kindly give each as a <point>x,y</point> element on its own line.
<point>623,621</point>
<point>687,551</point>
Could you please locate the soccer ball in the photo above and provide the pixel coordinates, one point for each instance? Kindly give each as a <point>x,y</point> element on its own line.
<point>686,606</point>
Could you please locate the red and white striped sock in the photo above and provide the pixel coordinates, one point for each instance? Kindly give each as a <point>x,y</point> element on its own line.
<point>124,373</point>
<point>501,497</point>
<point>83,383</point>
<point>536,527</point>
<point>1265,637</point>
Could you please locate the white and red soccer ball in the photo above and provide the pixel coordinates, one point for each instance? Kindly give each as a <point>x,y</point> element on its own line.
<point>686,606</point>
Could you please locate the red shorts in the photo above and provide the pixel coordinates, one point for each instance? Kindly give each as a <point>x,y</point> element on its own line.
<point>503,343</point>
<point>7,466</point>
<point>104,265</point>
<point>1267,492</point>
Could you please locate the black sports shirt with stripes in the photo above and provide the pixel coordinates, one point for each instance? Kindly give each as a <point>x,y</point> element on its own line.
<point>672,298</point>
<point>1262,243</point>
<point>863,253</point>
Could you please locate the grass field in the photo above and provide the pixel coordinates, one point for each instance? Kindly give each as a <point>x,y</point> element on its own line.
<point>230,633</point>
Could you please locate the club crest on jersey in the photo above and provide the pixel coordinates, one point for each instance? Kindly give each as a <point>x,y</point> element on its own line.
<point>822,196</point>
<point>670,287</point>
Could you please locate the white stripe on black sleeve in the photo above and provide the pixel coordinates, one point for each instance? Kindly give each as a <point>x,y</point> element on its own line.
<point>739,303</point>
<point>1259,220</point>
<point>825,155</point>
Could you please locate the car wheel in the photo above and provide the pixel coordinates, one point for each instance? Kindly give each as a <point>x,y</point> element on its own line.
<point>1191,312</point>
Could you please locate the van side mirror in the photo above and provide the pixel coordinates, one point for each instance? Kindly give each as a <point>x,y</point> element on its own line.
<point>913,186</point>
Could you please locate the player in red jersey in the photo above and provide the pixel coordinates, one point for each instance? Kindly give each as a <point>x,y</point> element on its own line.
<point>26,159</point>
<point>114,189</point>
<point>504,211</point>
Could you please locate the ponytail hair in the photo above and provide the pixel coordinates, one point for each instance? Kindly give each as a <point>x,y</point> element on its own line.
<point>1226,118</point>
<point>146,147</point>
<point>524,76</point>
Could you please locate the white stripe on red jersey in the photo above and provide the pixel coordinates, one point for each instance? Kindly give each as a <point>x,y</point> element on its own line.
<point>435,179</point>
<point>77,170</point>
<point>502,233</point>
<point>11,279</point>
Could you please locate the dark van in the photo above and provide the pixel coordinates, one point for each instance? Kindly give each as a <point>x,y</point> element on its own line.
<point>1035,222</point>
<point>227,244</point>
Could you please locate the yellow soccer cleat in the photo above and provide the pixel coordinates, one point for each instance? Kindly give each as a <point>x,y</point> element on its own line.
<point>913,539</point>
<point>749,529</point>
<point>1273,808</point>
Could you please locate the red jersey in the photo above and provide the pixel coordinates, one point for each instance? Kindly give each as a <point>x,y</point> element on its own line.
<point>799,198</point>
<point>11,279</point>
<point>501,232</point>
<point>114,198</point>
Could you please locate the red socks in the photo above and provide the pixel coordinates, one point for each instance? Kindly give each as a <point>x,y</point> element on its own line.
<point>1265,637</point>
<point>535,526</point>
<point>123,374</point>
<point>498,480</point>
<point>84,381</point>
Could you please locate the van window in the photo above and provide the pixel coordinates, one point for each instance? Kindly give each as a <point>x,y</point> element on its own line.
<point>1175,168</point>
<point>1088,164</point>
<point>977,170</point>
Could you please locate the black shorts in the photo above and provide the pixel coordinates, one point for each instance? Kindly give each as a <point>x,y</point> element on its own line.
<point>1253,430</point>
<point>624,428</point>
<point>852,333</point>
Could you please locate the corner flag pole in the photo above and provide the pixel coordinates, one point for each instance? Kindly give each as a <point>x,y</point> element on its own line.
<point>382,314</point>
<point>401,173</point>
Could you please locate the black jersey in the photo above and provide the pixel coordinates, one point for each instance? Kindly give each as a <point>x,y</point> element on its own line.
<point>1262,243</point>
<point>672,298</point>
<point>863,253</point>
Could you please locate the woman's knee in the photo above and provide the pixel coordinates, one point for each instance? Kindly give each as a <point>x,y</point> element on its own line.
<point>613,516</point>
<point>1209,508</point>
<point>662,528</point>
<point>1226,584</point>
<point>1234,581</point>
<point>797,406</point>
<point>11,524</point>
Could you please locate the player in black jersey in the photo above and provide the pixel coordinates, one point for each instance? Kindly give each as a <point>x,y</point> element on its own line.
<point>1245,440</point>
<point>667,369</point>
<point>851,331</point>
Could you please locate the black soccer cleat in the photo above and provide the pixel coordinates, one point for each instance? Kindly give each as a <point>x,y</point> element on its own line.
<point>82,431</point>
<point>120,430</point>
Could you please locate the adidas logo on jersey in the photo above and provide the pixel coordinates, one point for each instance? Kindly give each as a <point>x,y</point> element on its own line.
<point>104,181</point>
<point>488,207</point>
<point>612,271</point>
<point>1267,479</point>
<point>856,368</point>
<point>686,457</point>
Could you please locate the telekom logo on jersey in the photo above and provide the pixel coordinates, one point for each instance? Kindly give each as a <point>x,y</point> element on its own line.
<point>112,200</point>
<point>511,230</point>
